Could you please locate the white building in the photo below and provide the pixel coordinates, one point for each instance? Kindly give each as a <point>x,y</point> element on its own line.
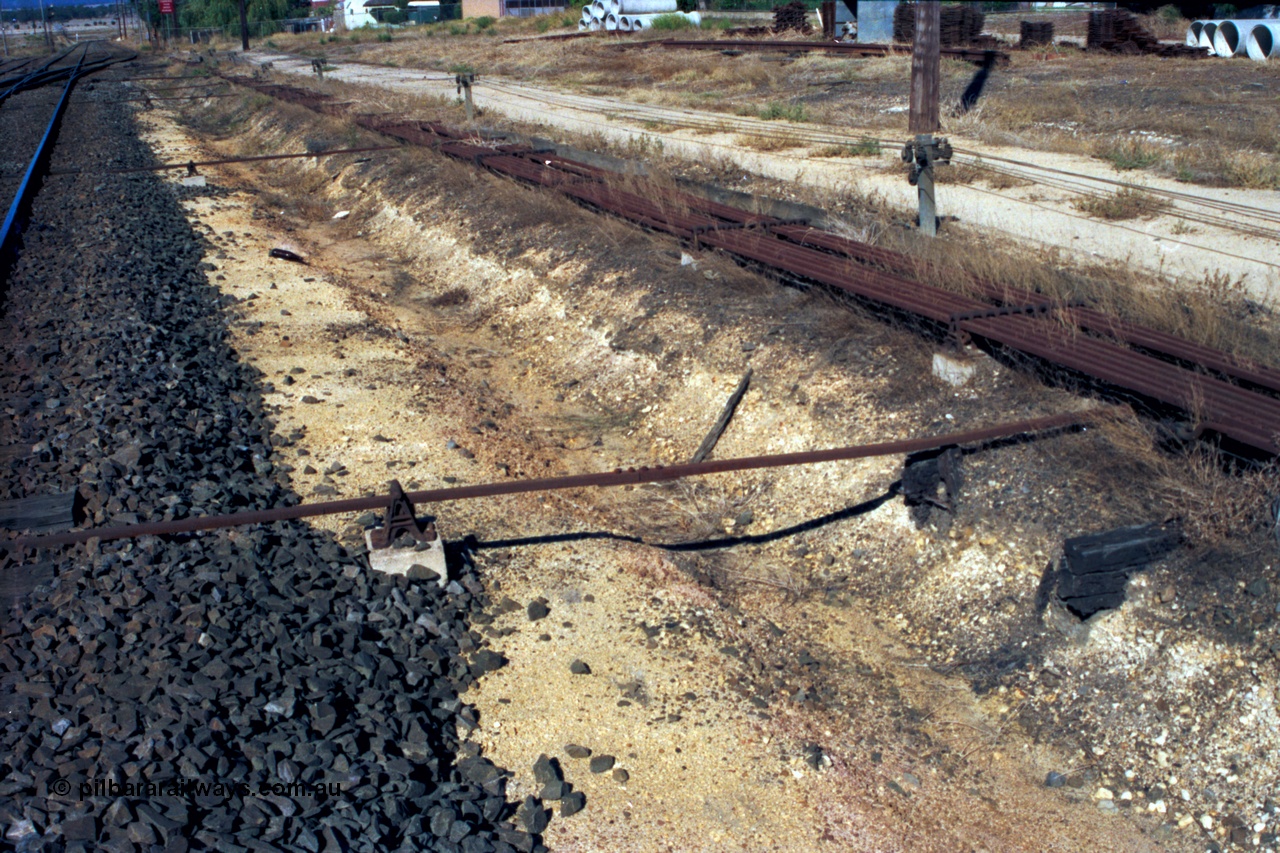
<point>355,15</point>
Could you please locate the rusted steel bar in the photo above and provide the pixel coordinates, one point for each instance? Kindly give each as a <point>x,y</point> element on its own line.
<point>1160,368</point>
<point>1152,341</point>
<point>631,476</point>
<point>1237,413</point>
<point>968,54</point>
<point>197,163</point>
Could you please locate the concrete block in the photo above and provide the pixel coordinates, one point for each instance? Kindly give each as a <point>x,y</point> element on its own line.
<point>399,561</point>
<point>953,370</point>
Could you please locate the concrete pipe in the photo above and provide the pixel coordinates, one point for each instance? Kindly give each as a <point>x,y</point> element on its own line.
<point>613,7</point>
<point>598,10</point>
<point>1206,35</point>
<point>643,22</point>
<point>1193,33</point>
<point>611,22</point>
<point>648,7</point>
<point>1231,37</point>
<point>1264,42</point>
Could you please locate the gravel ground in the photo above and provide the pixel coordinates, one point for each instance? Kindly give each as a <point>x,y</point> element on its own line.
<point>251,689</point>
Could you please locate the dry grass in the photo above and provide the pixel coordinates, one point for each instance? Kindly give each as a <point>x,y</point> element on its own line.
<point>778,142</point>
<point>1218,501</point>
<point>1124,203</point>
<point>978,171</point>
<point>865,147</point>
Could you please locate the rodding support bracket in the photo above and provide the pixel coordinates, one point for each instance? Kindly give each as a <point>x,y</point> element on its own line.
<point>401,518</point>
<point>464,82</point>
<point>923,153</point>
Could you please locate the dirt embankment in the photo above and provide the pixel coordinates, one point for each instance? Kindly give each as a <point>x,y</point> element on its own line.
<point>778,660</point>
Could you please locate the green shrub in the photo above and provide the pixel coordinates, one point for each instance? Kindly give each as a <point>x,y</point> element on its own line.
<point>790,112</point>
<point>483,23</point>
<point>1130,154</point>
<point>384,35</point>
<point>671,22</point>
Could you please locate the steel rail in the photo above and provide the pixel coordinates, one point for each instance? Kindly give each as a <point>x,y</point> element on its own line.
<point>26,80</point>
<point>619,477</point>
<point>21,199</point>
<point>1176,195</point>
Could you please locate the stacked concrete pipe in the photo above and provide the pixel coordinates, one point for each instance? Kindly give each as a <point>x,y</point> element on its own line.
<point>636,23</point>
<point>627,16</point>
<point>1264,41</point>
<point>1204,31</point>
<point>1232,37</point>
<point>1236,37</point>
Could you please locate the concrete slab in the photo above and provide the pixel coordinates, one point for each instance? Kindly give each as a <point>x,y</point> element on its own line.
<point>401,561</point>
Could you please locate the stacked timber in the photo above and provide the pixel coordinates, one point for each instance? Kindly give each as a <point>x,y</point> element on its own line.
<point>957,25</point>
<point>792,16</point>
<point>1095,568</point>
<point>1118,31</point>
<point>1036,33</point>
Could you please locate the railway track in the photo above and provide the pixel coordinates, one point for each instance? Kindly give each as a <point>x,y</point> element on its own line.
<point>1221,397</point>
<point>68,66</point>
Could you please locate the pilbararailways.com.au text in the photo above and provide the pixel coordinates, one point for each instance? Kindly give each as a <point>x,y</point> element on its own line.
<point>195,788</point>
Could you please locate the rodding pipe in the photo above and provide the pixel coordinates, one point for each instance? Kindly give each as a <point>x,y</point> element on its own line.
<point>1264,42</point>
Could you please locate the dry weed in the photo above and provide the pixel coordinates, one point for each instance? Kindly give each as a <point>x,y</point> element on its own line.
<point>779,142</point>
<point>1124,203</point>
<point>1217,500</point>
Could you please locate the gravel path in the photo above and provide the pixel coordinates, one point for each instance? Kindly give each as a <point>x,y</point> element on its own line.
<point>255,689</point>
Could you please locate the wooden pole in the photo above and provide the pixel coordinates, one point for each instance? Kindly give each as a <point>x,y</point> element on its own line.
<point>924,117</point>
<point>244,25</point>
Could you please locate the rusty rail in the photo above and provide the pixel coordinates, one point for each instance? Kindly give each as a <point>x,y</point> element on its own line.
<point>631,476</point>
